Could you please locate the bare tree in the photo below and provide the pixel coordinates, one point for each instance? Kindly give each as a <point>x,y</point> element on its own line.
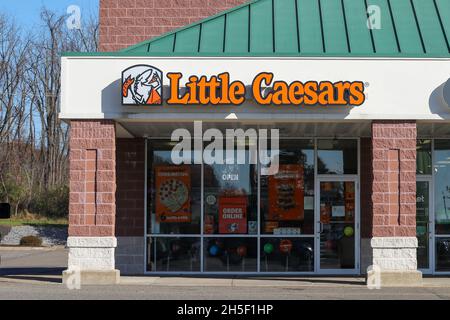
<point>33,140</point>
<point>14,110</point>
<point>45,87</point>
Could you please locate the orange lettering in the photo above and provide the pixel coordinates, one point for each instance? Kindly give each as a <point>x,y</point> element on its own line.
<point>175,88</point>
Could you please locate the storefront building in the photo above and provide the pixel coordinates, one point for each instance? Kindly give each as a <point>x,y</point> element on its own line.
<point>363,155</point>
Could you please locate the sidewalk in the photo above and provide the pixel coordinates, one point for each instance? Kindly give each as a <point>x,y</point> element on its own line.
<point>41,265</point>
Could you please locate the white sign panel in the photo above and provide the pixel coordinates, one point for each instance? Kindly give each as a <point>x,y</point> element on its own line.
<point>393,88</point>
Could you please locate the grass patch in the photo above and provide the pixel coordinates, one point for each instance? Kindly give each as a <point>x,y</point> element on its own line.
<point>47,222</point>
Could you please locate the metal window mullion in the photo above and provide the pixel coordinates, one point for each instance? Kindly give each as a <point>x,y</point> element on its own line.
<point>258,210</point>
<point>154,253</point>
<point>288,235</point>
<point>432,221</point>
<point>202,184</point>
<point>357,217</point>
<point>316,211</point>
<point>175,235</point>
<point>145,206</point>
<point>233,235</point>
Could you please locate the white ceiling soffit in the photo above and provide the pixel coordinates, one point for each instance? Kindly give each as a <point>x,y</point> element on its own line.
<point>121,132</point>
<point>302,129</point>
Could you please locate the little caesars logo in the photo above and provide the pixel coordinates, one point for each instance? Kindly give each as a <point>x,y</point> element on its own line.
<point>142,85</point>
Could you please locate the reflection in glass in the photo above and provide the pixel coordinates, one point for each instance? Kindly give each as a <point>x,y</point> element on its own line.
<point>287,254</point>
<point>336,156</point>
<point>230,196</point>
<point>422,226</point>
<point>173,254</point>
<point>337,213</point>
<point>287,197</point>
<point>442,186</point>
<point>228,254</point>
<point>443,254</point>
<point>423,162</point>
<point>174,192</point>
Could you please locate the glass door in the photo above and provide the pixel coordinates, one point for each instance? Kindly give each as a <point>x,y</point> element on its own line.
<point>424,224</point>
<point>337,226</point>
<point>441,206</point>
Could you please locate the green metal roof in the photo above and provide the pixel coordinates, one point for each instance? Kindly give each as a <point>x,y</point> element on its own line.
<point>413,28</point>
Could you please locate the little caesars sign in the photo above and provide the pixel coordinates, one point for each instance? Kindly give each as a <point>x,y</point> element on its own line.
<point>143,85</point>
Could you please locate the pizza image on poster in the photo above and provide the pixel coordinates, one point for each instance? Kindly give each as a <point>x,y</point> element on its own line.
<point>233,215</point>
<point>286,193</point>
<point>172,194</point>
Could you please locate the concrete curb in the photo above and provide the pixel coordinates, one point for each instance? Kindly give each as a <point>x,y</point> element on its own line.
<point>43,279</point>
<point>241,282</point>
<point>23,248</point>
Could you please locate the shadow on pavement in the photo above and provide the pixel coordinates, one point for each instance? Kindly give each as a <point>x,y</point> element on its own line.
<point>344,280</point>
<point>36,273</point>
<point>347,280</point>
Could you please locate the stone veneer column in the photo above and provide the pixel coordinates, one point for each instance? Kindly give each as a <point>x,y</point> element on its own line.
<point>394,242</point>
<point>92,208</point>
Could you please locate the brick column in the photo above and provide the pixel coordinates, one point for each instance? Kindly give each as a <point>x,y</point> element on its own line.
<point>393,206</point>
<point>92,206</point>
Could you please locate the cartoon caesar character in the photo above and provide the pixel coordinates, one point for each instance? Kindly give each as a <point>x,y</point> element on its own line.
<point>144,88</point>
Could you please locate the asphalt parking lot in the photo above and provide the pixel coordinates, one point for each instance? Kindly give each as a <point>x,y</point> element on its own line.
<point>36,274</point>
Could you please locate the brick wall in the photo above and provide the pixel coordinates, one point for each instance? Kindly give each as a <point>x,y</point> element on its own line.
<point>130,187</point>
<point>126,22</point>
<point>92,178</point>
<point>394,178</point>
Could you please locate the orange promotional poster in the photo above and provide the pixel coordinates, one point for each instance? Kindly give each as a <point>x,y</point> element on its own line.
<point>172,193</point>
<point>286,193</point>
<point>233,215</point>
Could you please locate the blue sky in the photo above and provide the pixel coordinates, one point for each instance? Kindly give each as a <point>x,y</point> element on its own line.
<point>26,12</point>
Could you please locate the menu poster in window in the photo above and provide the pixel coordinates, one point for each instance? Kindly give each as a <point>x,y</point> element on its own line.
<point>172,194</point>
<point>286,193</point>
<point>232,215</point>
<point>349,195</point>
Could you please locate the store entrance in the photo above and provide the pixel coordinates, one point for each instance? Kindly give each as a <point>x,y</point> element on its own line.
<point>225,217</point>
<point>336,217</point>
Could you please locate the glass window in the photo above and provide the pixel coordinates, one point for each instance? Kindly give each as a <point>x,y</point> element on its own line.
<point>287,254</point>
<point>337,221</point>
<point>423,162</point>
<point>230,196</point>
<point>230,254</point>
<point>443,254</point>
<point>174,192</point>
<point>442,186</point>
<point>422,223</point>
<point>173,254</point>
<point>227,190</point>
<point>336,156</point>
<point>287,197</point>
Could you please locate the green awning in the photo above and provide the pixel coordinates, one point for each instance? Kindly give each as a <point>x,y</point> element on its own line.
<point>413,28</point>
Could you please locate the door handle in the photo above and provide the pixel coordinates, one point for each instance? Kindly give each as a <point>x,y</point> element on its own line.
<point>320,227</point>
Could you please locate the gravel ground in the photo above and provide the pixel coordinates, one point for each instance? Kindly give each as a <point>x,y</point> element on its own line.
<point>51,236</point>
